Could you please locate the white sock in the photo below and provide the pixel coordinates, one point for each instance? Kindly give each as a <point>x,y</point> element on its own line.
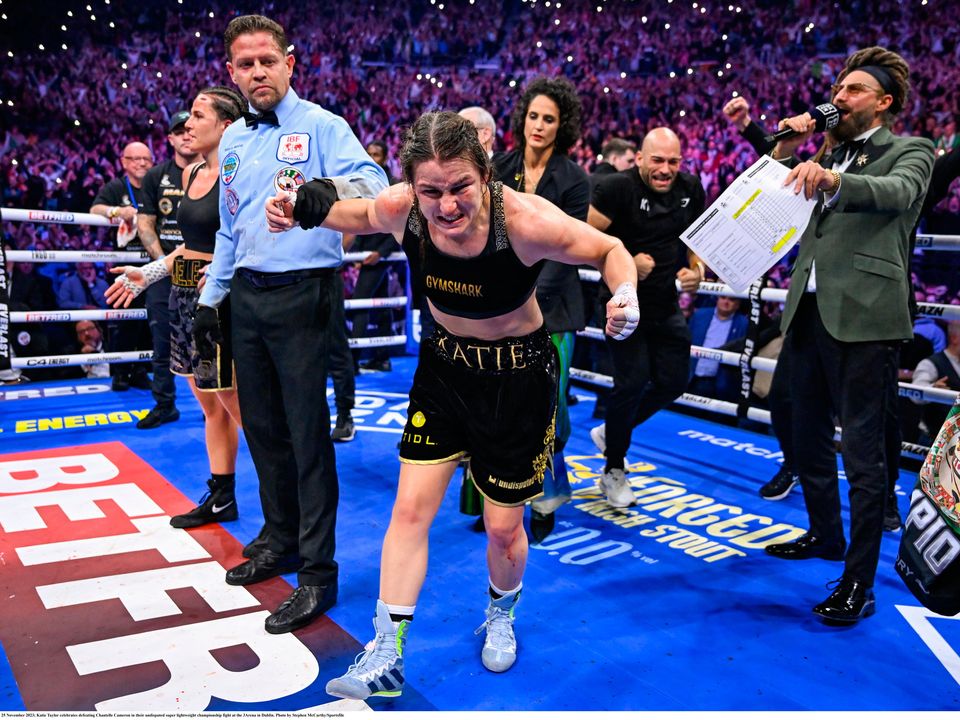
<point>395,610</point>
<point>506,593</point>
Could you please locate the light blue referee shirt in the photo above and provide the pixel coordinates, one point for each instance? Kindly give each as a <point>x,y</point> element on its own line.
<point>255,163</point>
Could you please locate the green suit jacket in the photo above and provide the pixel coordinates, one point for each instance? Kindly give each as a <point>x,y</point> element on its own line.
<point>861,245</point>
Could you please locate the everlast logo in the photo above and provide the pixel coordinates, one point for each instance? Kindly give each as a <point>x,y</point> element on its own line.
<point>454,287</point>
<point>484,357</point>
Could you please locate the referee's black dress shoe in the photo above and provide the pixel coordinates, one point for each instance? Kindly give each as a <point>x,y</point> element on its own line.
<point>257,545</point>
<point>849,603</point>
<point>262,567</point>
<point>305,604</point>
<point>808,546</point>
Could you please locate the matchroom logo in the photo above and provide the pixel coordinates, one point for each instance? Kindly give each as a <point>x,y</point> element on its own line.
<point>106,607</point>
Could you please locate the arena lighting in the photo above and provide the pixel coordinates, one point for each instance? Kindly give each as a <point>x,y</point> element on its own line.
<point>77,123</point>
<point>41,46</point>
<point>440,6</point>
<point>62,27</point>
<point>63,46</point>
<point>683,113</point>
<point>723,37</point>
<point>89,9</point>
<point>702,10</point>
<point>728,66</point>
<point>735,94</point>
<point>123,85</point>
<point>569,58</point>
<point>9,53</point>
<point>159,74</point>
<point>440,84</point>
<point>557,22</point>
<point>427,76</point>
<point>623,75</point>
<point>69,13</point>
<point>419,76</point>
<point>689,71</point>
<point>606,89</point>
<point>197,34</point>
<point>93,18</point>
<point>512,83</point>
<point>644,19</point>
<point>719,73</point>
<point>111,24</point>
<point>123,65</point>
<point>211,13</point>
<point>672,74</point>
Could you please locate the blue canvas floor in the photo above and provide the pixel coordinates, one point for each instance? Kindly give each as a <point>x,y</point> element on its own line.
<point>670,605</point>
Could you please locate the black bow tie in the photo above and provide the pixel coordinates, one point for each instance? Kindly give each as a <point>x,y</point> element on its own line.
<point>268,117</point>
<point>847,149</point>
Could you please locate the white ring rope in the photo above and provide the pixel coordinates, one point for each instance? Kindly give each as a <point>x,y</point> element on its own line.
<point>922,393</point>
<point>938,242</point>
<point>57,217</point>
<point>147,355</point>
<point>51,256</point>
<point>722,407</point>
<point>42,316</point>
<point>779,295</point>
<point>81,359</point>
<point>46,316</point>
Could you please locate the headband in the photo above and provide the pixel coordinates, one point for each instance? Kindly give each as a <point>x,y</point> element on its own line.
<point>882,76</point>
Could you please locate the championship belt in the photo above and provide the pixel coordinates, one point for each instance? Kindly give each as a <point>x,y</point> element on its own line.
<point>929,557</point>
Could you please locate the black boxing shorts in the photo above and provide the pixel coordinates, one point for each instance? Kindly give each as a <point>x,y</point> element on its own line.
<point>494,401</point>
<point>184,359</point>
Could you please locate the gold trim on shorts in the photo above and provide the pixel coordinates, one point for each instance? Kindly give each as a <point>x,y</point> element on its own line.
<point>456,456</point>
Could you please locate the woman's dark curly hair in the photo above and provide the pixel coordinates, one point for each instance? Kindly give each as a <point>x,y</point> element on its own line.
<point>564,94</point>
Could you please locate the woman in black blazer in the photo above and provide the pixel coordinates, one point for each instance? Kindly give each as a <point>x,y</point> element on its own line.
<point>546,125</point>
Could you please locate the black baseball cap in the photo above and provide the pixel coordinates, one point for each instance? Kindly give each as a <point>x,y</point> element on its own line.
<point>178,119</point>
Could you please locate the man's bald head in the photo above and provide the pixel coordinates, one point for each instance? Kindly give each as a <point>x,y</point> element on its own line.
<point>136,160</point>
<point>484,123</point>
<point>659,159</point>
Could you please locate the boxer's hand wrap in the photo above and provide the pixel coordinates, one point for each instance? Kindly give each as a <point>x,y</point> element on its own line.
<point>625,298</point>
<point>129,286</point>
<point>206,332</point>
<point>154,271</point>
<point>314,200</point>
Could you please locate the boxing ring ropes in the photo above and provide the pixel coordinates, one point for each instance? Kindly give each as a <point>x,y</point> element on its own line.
<point>49,256</point>
<point>721,407</point>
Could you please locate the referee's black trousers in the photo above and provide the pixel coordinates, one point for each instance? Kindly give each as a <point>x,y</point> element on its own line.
<point>280,345</point>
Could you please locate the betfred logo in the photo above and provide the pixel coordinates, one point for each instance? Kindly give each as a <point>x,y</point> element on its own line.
<point>106,607</point>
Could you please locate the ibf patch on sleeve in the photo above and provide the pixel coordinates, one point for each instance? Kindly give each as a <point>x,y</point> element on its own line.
<point>294,148</point>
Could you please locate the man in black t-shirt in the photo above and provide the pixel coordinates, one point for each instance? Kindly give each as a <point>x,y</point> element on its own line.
<point>122,198</point>
<point>647,208</point>
<point>160,235</point>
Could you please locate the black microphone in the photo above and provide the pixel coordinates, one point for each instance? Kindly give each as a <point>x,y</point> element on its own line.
<point>825,116</point>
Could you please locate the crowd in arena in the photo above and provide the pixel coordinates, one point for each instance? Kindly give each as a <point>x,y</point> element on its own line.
<point>67,111</point>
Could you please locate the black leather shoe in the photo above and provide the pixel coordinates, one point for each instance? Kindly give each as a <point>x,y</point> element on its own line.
<point>305,604</point>
<point>256,546</point>
<point>808,546</point>
<point>157,417</point>
<point>849,603</point>
<point>262,567</point>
